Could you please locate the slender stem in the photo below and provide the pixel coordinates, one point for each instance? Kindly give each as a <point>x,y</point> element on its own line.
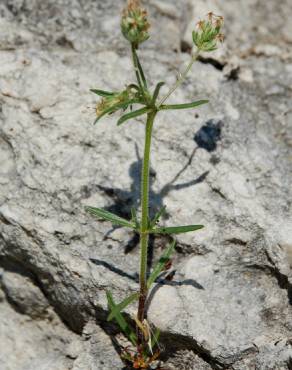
<point>181,78</point>
<point>144,222</point>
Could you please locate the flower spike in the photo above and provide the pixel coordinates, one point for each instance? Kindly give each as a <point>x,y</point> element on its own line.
<point>134,23</point>
<point>208,32</point>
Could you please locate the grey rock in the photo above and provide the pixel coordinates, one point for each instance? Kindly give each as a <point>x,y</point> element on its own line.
<point>229,304</point>
<point>97,353</point>
<point>225,297</point>
<point>24,295</point>
<point>47,344</point>
<point>27,344</point>
<point>187,360</point>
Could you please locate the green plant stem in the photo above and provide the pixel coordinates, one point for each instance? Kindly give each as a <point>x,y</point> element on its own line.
<point>181,78</point>
<point>144,236</point>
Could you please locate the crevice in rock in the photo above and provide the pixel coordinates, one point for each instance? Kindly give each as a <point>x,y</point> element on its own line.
<point>12,264</point>
<point>272,269</point>
<point>4,220</point>
<point>235,241</point>
<point>176,342</point>
<point>218,191</point>
<point>282,279</point>
<point>65,43</point>
<point>253,52</point>
<point>213,62</point>
<point>31,234</point>
<point>5,138</point>
<point>185,249</point>
<point>233,73</point>
<point>170,343</point>
<point>185,47</point>
<point>8,266</point>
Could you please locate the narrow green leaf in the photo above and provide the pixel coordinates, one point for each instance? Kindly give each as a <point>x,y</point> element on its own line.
<point>140,69</point>
<point>160,264</point>
<point>102,93</point>
<point>126,328</point>
<point>157,216</point>
<point>123,105</point>
<point>133,114</point>
<point>175,229</point>
<point>114,219</point>
<point>184,106</point>
<point>135,61</point>
<point>122,305</point>
<point>156,91</point>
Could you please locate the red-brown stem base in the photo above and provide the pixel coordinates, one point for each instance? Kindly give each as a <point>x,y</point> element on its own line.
<point>141,316</point>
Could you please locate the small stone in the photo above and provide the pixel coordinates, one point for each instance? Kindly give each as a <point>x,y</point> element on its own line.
<point>25,295</point>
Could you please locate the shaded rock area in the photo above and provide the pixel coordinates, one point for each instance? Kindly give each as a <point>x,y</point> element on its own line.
<point>227,165</point>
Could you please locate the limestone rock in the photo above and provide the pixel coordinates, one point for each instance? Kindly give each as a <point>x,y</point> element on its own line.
<point>226,165</point>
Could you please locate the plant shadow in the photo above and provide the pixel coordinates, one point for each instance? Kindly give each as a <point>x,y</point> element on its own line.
<point>124,200</point>
<point>162,280</point>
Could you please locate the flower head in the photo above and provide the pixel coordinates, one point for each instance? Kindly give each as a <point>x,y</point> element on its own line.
<point>134,23</point>
<point>208,32</point>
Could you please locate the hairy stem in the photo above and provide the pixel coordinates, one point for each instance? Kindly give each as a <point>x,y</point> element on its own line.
<point>180,79</point>
<point>144,222</point>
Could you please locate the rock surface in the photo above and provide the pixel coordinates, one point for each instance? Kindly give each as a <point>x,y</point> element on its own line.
<point>229,305</point>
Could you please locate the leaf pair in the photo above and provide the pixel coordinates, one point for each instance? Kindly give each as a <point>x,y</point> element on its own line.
<point>125,327</point>
<point>134,224</point>
<point>152,337</point>
<point>146,110</point>
<point>113,101</point>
